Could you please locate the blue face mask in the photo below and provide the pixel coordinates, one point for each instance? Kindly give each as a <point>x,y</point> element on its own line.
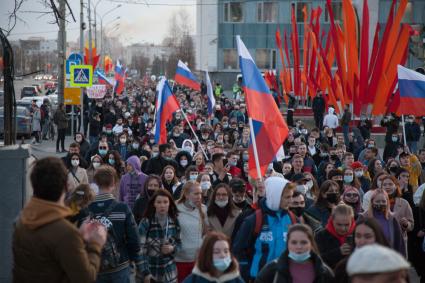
<point>103,152</point>
<point>111,161</point>
<point>299,257</point>
<point>221,264</point>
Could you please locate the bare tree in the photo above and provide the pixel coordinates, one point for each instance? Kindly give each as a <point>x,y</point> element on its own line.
<point>179,37</point>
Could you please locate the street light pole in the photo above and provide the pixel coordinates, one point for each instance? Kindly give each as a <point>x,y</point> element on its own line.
<point>90,38</point>
<point>82,52</point>
<point>101,30</point>
<point>95,23</point>
<point>61,50</point>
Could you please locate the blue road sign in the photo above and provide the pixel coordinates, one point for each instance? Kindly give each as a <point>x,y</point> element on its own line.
<point>73,59</point>
<point>81,75</point>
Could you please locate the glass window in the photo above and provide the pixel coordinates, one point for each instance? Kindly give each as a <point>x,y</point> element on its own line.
<point>299,10</point>
<point>230,59</point>
<point>274,56</point>
<point>267,12</point>
<point>262,58</point>
<point>337,10</point>
<point>233,12</point>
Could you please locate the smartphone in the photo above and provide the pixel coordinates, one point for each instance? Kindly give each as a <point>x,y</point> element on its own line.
<point>350,240</point>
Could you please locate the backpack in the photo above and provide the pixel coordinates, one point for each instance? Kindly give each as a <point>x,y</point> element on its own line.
<point>110,256</point>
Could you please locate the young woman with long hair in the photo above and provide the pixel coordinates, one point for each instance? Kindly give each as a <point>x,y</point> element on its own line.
<point>160,238</point>
<point>215,262</point>
<point>300,262</point>
<point>193,225</point>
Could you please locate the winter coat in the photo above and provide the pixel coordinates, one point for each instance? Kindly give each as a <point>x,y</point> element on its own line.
<point>36,121</point>
<point>402,209</point>
<point>153,235</point>
<point>180,169</point>
<point>329,247</point>
<point>132,184</point>
<point>59,118</point>
<point>267,245</point>
<point>319,213</point>
<point>122,222</point>
<point>192,229</point>
<point>319,105</point>
<point>278,271</point>
<point>156,164</point>
<point>228,226</point>
<point>49,248</point>
<point>84,147</point>
<point>413,132</point>
<point>79,177</point>
<point>198,276</point>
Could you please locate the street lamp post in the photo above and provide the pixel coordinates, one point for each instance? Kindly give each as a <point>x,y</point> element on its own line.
<point>101,28</point>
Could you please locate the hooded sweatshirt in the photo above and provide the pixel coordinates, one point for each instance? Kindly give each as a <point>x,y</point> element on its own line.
<point>331,120</point>
<point>49,248</point>
<point>131,184</point>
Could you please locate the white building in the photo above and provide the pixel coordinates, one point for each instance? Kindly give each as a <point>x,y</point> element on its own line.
<point>148,50</point>
<point>206,38</point>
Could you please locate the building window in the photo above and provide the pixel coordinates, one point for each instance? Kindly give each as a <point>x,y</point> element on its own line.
<point>230,59</point>
<point>299,10</point>
<point>274,56</point>
<point>337,10</point>
<point>263,58</point>
<point>233,12</point>
<point>267,12</point>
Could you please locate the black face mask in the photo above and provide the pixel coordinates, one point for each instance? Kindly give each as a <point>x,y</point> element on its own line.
<point>332,197</point>
<point>380,207</point>
<point>394,169</point>
<point>298,211</point>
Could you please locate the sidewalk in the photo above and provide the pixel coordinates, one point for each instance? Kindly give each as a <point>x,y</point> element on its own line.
<point>48,148</point>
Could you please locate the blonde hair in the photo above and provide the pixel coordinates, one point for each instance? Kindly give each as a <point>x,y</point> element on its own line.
<point>80,198</point>
<point>187,187</point>
<point>375,193</point>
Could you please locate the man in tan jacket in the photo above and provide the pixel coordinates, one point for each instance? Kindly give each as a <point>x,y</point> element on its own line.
<point>46,246</point>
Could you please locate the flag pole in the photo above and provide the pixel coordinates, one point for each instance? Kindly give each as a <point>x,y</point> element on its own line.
<point>404,130</point>
<point>196,136</point>
<point>257,162</point>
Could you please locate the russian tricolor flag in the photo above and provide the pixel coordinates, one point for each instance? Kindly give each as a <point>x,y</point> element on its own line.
<point>166,105</point>
<point>119,78</point>
<point>411,85</point>
<point>185,77</point>
<point>210,94</point>
<point>270,129</point>
<point>102,79</point>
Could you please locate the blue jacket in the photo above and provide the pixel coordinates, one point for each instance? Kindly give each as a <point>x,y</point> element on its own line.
<point>122,221</point>
<point>267,246</point>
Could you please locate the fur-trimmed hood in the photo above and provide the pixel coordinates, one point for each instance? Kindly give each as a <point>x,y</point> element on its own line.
<point>227,277</point>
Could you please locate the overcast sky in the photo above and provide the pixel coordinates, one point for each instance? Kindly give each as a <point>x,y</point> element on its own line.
<point>138,23</point>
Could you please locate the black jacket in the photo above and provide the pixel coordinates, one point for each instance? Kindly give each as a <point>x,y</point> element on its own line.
<point>281,267</point>
<point>319,105</point>
<point>329,247</point>
<point>156,165</point>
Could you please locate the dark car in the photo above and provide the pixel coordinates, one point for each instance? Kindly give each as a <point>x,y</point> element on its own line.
<point>29,91</point>
<point>23,121</point>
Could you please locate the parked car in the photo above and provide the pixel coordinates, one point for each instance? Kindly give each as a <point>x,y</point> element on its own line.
<point>29,91</point>
<point>24,103</point>
<point>39,99</point>
<point>23,122</point>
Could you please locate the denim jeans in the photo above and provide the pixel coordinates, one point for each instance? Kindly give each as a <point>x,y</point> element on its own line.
<point>122,276</point>
<point>413,146</point>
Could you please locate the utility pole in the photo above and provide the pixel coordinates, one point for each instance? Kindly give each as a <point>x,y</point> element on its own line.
<point>82,27</point>
<point>90,38</point>
<point>61,50</point>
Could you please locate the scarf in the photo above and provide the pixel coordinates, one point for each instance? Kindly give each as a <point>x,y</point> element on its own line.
<point>341,238</point>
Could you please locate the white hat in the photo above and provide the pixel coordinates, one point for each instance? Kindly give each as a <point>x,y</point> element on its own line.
<point>375,259</point>
<point>274,189</point>
<point>127,115</point>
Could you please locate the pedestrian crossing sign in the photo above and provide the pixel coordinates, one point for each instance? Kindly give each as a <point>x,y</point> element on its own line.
<point>81,75</point>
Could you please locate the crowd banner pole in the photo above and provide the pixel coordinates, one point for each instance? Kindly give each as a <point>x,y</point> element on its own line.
<point>257,162</point>
<point>404,130</point>
<point>196,136</point>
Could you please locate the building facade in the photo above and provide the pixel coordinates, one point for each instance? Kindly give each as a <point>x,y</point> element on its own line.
<point>219,21</point>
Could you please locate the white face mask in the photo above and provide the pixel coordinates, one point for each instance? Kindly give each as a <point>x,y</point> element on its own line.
<point>221,203</point>
<point>183,162</point>
<point>96,165</point>
<point>205,185</point>
<point>358,173</point>
<point>75,163</point>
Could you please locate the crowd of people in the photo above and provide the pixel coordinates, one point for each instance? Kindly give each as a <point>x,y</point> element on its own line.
<point>330,209</point>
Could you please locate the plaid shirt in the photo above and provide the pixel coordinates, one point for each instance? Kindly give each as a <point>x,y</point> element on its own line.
<point>153,236</point>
